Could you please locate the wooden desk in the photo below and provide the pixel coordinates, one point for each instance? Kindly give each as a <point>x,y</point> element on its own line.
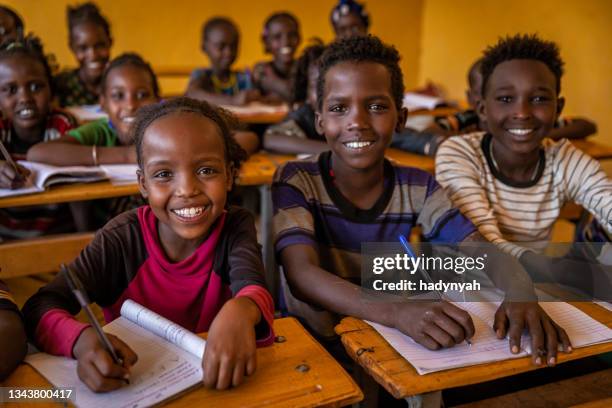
<point>398,377</point>
<point>277,382</point>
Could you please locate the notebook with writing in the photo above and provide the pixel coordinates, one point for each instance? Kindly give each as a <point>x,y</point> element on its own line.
<point>169,362</point>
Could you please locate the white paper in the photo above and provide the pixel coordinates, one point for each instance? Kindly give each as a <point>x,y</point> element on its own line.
<point>164,328</point>
<point>414,101</point>
<point>121,173</point>
<point>486,348</point>
<point>162,371</point>
<point>87,113</point>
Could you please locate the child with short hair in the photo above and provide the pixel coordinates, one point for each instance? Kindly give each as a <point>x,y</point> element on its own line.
<point>90,41</point>
<point>349,18</point>
<point>186,255</point>
<point>297,133</point>
<point>281,37</point>
<point>11,25</point>
<point>512,181</point>
<point>27,118</point>
<point>13,342</point>
<point>219,84</point>
<point>127,84</point>
<point>325,208</point>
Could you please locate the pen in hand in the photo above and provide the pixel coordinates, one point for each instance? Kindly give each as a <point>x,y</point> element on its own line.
<point>424,273</point>
<point>81,296</point>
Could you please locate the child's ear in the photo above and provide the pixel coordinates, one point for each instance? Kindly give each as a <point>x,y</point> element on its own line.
<point>560,105</point>
<point>401,120</point>
<point>319,122</point>
<point>264,39</point>
<point>231,173</point>
<point>481,110</point>
<point>141,184</point>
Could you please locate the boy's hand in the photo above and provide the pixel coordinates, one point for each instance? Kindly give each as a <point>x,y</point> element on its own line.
<point>9,178</point>
<point>434,325</point>
<point>513,317</point>
<point>96,367</point>
<point>230,347</point>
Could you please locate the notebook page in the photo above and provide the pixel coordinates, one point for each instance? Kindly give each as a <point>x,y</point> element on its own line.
<point>162,371</point>
<point>164,328</point>
<point>121,173</point>
<point>582,330</point>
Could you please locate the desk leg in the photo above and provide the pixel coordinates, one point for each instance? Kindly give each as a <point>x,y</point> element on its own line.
<point>427,400</point>
<point>265,193</point>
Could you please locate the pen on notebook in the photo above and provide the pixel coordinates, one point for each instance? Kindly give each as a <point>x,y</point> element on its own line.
<point>79,293</point>
<point>423,272</point>
<point>8,158</point>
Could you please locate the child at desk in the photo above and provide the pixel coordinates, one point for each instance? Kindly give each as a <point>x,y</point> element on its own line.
<point>512,181</point>
<point>27,118</point>
<point>90,42</point>
<point>281,37</point>
<point>325,208</point>
<point>349,18</point>
<point>186,255</point>
<point>219,84</point>
<point>13,344</point>
<point>297,133</point>
<point>11,25</point>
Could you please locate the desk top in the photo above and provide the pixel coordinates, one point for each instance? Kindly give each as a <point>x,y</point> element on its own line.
<point>277,381</point>
<point>394,373</point>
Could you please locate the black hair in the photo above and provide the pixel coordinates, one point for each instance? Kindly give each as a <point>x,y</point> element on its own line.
<point>278,16</point>
<point>522,46</point>
<point>309,56</point>
<point>16,18</point>
<point>345,7</point>
<point>362,49</point>
<point>475,68</point>
<point>86,13</point>
<point>216,22</point>
<point>31,47</point>
<point>225,121</point>
<point>132,59</point>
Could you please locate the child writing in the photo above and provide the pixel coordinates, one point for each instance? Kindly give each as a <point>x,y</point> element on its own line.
<point>219,84</point>
<point>90,41</point>
<point>281,37</point>
<point>11,25</point>
<point>349,18</point>
<point>127,84</point>
<point>325,208</point>
<point>512,181</point>
<point>297,133</point>
<point>186,255</point>
<point>27,118</point>
<point>13,344</point>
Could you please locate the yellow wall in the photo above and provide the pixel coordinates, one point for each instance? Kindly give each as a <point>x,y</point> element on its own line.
<point>455,32</point>
<point>167,32</point>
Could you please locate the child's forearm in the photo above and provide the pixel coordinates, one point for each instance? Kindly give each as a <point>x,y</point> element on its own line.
<point>13,344</point>
<point>281,143</point>
<point>577,129</point>
<point>69,154</point>
<point>247,140</point>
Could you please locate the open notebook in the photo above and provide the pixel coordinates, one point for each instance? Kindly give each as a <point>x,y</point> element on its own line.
<point>486,347</point>
<point>169,362</point>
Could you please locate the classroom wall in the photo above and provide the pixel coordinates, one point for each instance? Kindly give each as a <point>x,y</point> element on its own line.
<point>455,32</point>
<point>168,33</point>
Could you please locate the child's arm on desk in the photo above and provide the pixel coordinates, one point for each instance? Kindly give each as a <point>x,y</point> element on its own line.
<point>432,324</point>
<point>12,341</point>
<point>288,137</point>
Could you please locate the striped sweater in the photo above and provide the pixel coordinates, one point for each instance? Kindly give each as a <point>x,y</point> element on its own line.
<point>519,216</point>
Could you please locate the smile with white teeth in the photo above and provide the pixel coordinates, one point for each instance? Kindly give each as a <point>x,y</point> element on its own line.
<point>25,113</point>
<point>128,119</point>
<point>357,145</point>
<point>286,50</point>
<point>189,212</point>
<point>94,65</point>
<point>520,132</point>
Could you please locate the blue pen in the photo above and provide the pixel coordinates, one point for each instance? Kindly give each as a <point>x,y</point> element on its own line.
<point>408,249</point>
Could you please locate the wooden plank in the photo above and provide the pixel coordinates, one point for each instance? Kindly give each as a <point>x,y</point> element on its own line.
<point>276,382</point>
<point>389,369</point>
<point>602,403</point>
<point>410,159</point>
<point>40,255</point>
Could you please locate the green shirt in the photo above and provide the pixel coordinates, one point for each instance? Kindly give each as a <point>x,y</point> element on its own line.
<point>98,132</point>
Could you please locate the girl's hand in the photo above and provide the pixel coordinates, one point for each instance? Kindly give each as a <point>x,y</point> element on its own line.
<point>230,347</point>
<point>434,325</point>
<point>96,367</point>
<point>513,317</point>
<point>9,178</point>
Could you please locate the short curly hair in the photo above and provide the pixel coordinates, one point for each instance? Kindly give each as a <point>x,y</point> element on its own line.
<point>214,23</point>
<point>134,60</point>
<point>225,121</point>
<point>299,81</point>
<point>362,49</point>
<point>522,46</point>
<point>31,47</point>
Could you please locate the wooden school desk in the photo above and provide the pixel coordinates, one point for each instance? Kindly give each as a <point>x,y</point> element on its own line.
<point>295,372</point>
<point>393,372</point>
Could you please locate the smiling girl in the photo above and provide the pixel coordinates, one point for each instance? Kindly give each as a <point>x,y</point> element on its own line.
<point>90,41</point>
<point>186,255</point>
